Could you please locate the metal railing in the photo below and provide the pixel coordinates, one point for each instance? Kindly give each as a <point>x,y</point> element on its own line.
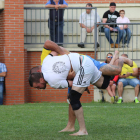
<point>132,49</point>
<point>37,31</point>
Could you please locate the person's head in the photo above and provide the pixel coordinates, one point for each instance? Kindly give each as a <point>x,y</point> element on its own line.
<point>125,55</point>
<point>112,7</point>
<point>122,13</point>
<point>36,80</point>
<point>35,69</point>
<point>88,10</point>
<point>109,56</point>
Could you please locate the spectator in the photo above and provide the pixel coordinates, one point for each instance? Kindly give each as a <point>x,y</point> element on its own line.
<point>110,16</point>
<point>128,77</point>
<point>113,82</point>
<point>3,71</point>
<point>126,30</point>
<point>86,21</point>
<point>56,22</point>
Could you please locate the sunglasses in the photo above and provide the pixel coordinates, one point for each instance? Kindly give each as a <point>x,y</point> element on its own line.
<point>110,57</point>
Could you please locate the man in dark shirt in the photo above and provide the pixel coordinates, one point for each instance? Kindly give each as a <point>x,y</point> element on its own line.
<point>56,21</point>
<point>110,16</point>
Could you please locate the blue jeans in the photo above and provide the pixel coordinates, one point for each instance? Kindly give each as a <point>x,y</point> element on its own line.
<point>132,82</point>
<point>56,31</point>
<point>1,92</point>
<point>126,33</point>
<point>108,35</point>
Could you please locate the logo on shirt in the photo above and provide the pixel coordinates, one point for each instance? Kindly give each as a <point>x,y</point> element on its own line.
<point>59,67</point>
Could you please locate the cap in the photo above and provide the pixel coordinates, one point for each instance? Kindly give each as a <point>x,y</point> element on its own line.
<point>112,4</point>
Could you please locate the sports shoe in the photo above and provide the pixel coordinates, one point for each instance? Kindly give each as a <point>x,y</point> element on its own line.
<point>136,101</point>
<point>119,101</point>
<point>112,100</point>
<point>116,98</point>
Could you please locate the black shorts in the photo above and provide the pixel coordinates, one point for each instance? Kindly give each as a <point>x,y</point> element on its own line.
<point>105,82</point>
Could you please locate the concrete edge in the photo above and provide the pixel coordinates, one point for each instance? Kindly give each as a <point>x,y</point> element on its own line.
<point>127,87</point>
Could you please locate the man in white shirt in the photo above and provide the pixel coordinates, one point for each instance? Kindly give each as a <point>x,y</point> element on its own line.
<point>86,22</point>
<point>55,70</point>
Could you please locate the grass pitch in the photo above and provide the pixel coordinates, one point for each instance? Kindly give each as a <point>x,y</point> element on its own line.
<point>42,121</point>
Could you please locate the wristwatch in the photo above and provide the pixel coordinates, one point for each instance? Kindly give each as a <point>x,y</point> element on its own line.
<point>59,5</point>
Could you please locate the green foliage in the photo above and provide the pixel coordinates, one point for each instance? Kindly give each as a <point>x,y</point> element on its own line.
<point>42,121</point>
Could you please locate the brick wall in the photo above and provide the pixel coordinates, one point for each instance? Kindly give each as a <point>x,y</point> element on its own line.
<point>81,1</point>
<point>50,94</point>
<point>13,32</point>
<point>1,36</point>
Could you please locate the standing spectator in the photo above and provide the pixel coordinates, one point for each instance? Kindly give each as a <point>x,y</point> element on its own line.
<point>56,21</point>
<point>113,81</point>
<point>110,16</point>
<point>86,21</point>
<point>126,30</point>
<point>128,77</point>
<point>3,71</point>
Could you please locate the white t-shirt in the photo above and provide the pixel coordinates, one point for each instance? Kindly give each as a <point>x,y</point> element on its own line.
<point>55,70</point>
<point>122,20</point>
<point>75,61</point>
<point>89,19</point>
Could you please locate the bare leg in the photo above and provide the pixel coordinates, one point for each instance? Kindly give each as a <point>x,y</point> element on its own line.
<point>115,57</point>
<point>127,61</point>
<point>136,90</point>
<point>80,118</point>
<point>120,89</point>
<point>71,121</point>
<point>113,88</point>
<point>80,115</point>
<point>109,91</point>
<point>115,69</point>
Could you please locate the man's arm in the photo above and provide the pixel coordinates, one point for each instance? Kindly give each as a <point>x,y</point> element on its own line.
<point>125,76</point>
<point>70,83</point>
<point>135,72</point>
<point>2,74</point>
<point>82,25</point>
<point>104,21</point>
<point>50,45</point>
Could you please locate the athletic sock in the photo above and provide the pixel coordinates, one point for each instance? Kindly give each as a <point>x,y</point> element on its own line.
<point>120,97</point>
<point>136,97</point>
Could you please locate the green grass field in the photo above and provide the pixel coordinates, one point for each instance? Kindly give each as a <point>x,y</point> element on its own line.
<point>42,121</point>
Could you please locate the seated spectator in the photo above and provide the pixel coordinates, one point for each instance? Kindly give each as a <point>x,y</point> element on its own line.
<point>126,30</point>
<point>128,77</point>
<point>113,82</point>
<point>110,16</point>
<point>3,71</point>
<point>86,21</point>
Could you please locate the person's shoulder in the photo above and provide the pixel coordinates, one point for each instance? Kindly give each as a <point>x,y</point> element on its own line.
<point>108,11</point>
<point>134,64</point>
<point>2,64</point>
<point>83,14</point>
<point>116,12</point>
<point>126,18</point>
